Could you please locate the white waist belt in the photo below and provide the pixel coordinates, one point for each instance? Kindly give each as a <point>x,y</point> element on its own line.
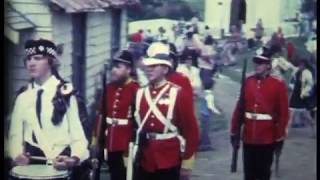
<point>158,136</point>
<point>116,121</point>
<point>257,116</point>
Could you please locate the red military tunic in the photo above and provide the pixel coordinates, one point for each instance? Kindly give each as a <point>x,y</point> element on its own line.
<point>267,96</point>
<point>165,153</point>
<point>119,100</point>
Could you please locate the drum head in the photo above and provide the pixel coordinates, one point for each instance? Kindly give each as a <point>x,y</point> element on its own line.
<point>37,171</point>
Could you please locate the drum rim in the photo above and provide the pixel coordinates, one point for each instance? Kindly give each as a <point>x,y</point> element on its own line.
<point>16,175</point>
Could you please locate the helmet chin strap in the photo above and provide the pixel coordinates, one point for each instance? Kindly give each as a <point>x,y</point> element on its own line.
<point>122,80</point>
<point>158,82</point>
<point>264,74</point>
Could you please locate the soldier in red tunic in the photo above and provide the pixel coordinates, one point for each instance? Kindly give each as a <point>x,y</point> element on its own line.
<point>266,118</point>
<point>166,128</point>
<point>119,100</point>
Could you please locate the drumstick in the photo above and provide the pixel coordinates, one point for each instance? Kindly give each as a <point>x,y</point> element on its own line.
<point>23,141</point>
<point>38,158</point>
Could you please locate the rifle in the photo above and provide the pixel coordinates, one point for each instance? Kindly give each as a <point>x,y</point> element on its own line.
<point>236,139</point>
<point>277,154</point>
<point>101,126</point>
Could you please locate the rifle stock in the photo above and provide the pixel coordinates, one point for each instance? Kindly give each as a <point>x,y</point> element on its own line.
<point>277,164</point>
<point>277,152</point>
<point>241,120</point>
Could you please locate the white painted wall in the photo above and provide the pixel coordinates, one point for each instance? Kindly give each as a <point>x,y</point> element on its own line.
<point>217,16</point>
<point>272,13</point>
<point>124,28</point>
<point>38,12</point>
<point>62,34</point>
<point>98,45</point>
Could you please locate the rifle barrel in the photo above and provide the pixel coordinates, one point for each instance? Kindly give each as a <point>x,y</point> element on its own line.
<point>234,160</point>
<point>241,118</point>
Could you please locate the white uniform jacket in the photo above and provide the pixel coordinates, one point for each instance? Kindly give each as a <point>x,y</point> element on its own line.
<point>51,139</point>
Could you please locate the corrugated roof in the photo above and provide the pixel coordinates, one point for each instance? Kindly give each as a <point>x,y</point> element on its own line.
<point>15,20</point>
<point>72,6</point>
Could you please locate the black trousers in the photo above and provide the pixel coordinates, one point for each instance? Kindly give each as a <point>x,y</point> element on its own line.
<point>257,161</point>
<point>116,165</point>
<point>162,174</point>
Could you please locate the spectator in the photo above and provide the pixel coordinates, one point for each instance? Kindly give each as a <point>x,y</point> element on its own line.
<point>190,71</point>
<point>280,66</point>
<point>206,65</point>
<point>277,41</point>
<point>161,34</point>
<point>148,37</point>
<point>203,111</point>
<point>207,32</point>
<point>235,33</point>
<point>137,37</point>
<point>291,50</point>
<point>259,30</point>
<point>301,98</point>
<point>193,43</point>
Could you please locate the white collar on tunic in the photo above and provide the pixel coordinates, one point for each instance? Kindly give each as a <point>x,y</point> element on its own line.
<point>49,85</point>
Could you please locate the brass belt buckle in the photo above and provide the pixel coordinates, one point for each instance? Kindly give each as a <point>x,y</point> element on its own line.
<point>254,116</point>
<point>152,136</point>
<point>114,122</point>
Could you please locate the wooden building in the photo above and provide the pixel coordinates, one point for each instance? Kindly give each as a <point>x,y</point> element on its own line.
<point>87,32</point>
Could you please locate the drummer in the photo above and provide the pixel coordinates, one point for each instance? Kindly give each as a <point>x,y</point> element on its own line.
<point>45,125</point>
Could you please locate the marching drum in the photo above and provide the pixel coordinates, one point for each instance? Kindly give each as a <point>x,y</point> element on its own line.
<point>37,171</point>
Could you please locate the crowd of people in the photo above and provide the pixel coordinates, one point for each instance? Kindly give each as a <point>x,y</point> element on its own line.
<point>198,59</point>
<point>158,104</point>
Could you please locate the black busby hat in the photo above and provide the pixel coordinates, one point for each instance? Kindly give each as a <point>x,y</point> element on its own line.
<point>41,46</point>
<point>263,56</point>
<point>123,56</point>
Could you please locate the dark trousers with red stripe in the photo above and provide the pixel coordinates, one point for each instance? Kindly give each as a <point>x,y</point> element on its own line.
<point>257,161</point>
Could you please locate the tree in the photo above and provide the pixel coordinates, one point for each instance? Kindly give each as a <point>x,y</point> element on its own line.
<point>152,9</point>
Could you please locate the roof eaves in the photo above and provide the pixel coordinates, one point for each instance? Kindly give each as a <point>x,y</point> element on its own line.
<point>9,7</point>
<point>73,6</point>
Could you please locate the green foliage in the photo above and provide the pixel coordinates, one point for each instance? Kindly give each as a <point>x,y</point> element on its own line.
<point>153,9</point>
